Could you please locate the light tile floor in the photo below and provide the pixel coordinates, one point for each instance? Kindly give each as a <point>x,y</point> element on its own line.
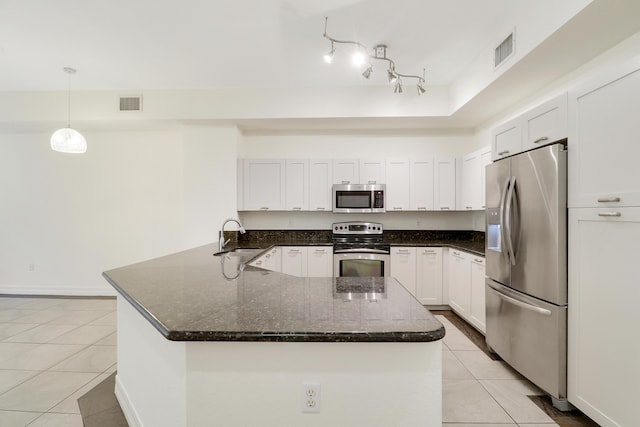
<point>478,391</point>
<point>53,350</point>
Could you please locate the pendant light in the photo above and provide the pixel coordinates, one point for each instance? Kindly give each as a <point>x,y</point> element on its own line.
<point>67,140</point>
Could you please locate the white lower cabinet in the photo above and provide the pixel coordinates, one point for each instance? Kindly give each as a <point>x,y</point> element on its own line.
<point>300,261</point>
<point>460,282</point>
<point>403,266</point>
<point>603,349</point>
<point>294,260</point>
<point>429,275</point>
<point>477,315</point>
<point>319,261</point>
<point>466,287</point>
<point>270,261</point>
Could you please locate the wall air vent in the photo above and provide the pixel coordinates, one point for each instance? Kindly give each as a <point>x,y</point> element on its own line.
<point>131,103</point>
<point>505,50</point>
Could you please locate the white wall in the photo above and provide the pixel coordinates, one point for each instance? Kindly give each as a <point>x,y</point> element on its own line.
<point>134,195</point>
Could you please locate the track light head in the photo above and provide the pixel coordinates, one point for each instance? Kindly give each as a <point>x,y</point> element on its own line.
<point>398,86</point>
<point>421,88</point>
<point>367,73</point>
<point>328,57</point>
<point>392,76</point>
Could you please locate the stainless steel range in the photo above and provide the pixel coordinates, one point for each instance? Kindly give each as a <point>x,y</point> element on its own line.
<point>359,250</point>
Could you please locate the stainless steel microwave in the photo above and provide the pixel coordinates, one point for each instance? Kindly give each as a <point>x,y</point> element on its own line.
<point>359,198</point>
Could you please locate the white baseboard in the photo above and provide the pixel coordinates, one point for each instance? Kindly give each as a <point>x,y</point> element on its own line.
<point>58,291</point>
<point>125,404</point>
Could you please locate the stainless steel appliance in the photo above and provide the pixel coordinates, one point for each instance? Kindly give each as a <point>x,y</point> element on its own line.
<point>359,250</point>
<point>526,255</point>
<point>359,198</point>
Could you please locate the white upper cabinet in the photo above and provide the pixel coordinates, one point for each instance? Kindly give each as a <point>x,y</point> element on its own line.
<point>240,184</point>
<point>506,139</point>
<point>398,185</point>
<point>346,171</point>
<point>264,184</point>
<point>320,180</point>
<point>372,171</point>
<point>473,179</point>
<point>421,185</point>
<point>485,160</point>
<point>545,124</point>
<point>444,183</point>
<point>296,184</point>
<point>604,150</point>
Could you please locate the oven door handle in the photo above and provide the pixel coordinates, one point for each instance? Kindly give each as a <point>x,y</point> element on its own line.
<point>360,251</point>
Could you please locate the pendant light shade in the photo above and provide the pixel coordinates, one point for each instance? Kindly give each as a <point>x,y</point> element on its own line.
<point>67,140</point>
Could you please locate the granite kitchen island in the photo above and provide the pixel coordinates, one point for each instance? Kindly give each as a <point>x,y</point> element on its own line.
<point>204,341</point>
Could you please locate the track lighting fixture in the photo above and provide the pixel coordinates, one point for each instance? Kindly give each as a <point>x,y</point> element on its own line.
<point>378,52</point>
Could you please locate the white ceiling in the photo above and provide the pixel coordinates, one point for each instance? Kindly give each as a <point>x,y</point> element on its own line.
<point>138,45</point>
<point>197,44</point>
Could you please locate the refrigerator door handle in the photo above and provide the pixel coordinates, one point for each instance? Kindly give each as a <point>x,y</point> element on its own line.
<point>519,303</point>
<point>503,198</point>
<point>507,220</point>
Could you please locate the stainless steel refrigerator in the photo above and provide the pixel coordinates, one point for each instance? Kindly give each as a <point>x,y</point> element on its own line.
<point>526,257</point>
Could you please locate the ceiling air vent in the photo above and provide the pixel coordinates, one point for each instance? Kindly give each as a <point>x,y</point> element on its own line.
<point>504,50</point>
<point>131,103</point>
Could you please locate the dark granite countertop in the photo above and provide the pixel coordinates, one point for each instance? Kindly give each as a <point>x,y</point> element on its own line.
<point>195,296</point>
<point>470,241</point>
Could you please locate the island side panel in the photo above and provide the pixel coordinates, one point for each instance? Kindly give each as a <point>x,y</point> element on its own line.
<point>150,383</point>
<point>362,383</point>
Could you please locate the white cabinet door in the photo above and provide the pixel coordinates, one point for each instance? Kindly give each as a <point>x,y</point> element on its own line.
<point>294,260</point>
<point>444,183</point>
<point>372,171</point>
<point>297,185</point>
<point>506,139</point>
<point>477,314</point>
<point>471,182</point>
<point>398,176</point>
<point>346,171</point>
<point>270,261</point>
<point>485,160</point>
<point>421,185</point>
<point>603,315</point>
<point>320,180</point>
<point>603,141</point>
<point>460,282</point>
<point>403,266</point>
<point>545,124</point>
<point>264,184</point>
<point>319,261</point>
<point>429,276</point>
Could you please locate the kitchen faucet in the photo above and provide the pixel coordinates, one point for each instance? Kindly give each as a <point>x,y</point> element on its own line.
<point>221,241</point>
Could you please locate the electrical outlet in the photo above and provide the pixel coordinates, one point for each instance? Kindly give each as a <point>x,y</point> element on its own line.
<point>310,397</point>
<point>32,267</point>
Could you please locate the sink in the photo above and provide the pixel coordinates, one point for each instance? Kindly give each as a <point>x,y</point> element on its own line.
<point>239,252</point>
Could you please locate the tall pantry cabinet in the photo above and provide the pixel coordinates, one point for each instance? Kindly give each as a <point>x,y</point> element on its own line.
<point>604,233</point>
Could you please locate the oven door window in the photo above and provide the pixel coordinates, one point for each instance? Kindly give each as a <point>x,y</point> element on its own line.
<point>361,268</point>
<point>353,199</point>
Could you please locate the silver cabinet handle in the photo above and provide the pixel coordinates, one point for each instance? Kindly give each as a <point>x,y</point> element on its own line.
<point>428,251</point>
<point>422,208</point>
<point>502,153</point>
<point>371,182</point>
<point>264,208</point>
<point>320,251</point>
<point>346,182</point>
<point>608,199</point>
<point>294,251</point>
<point>319,209</point>
<point>403,251</point>
<point>539,140</point>
<point>444,208</point>
<point>396,208</point>
<point>478,260</point>
<point>468,207</point>
<point>297,208</point>
<point>609,214</point>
